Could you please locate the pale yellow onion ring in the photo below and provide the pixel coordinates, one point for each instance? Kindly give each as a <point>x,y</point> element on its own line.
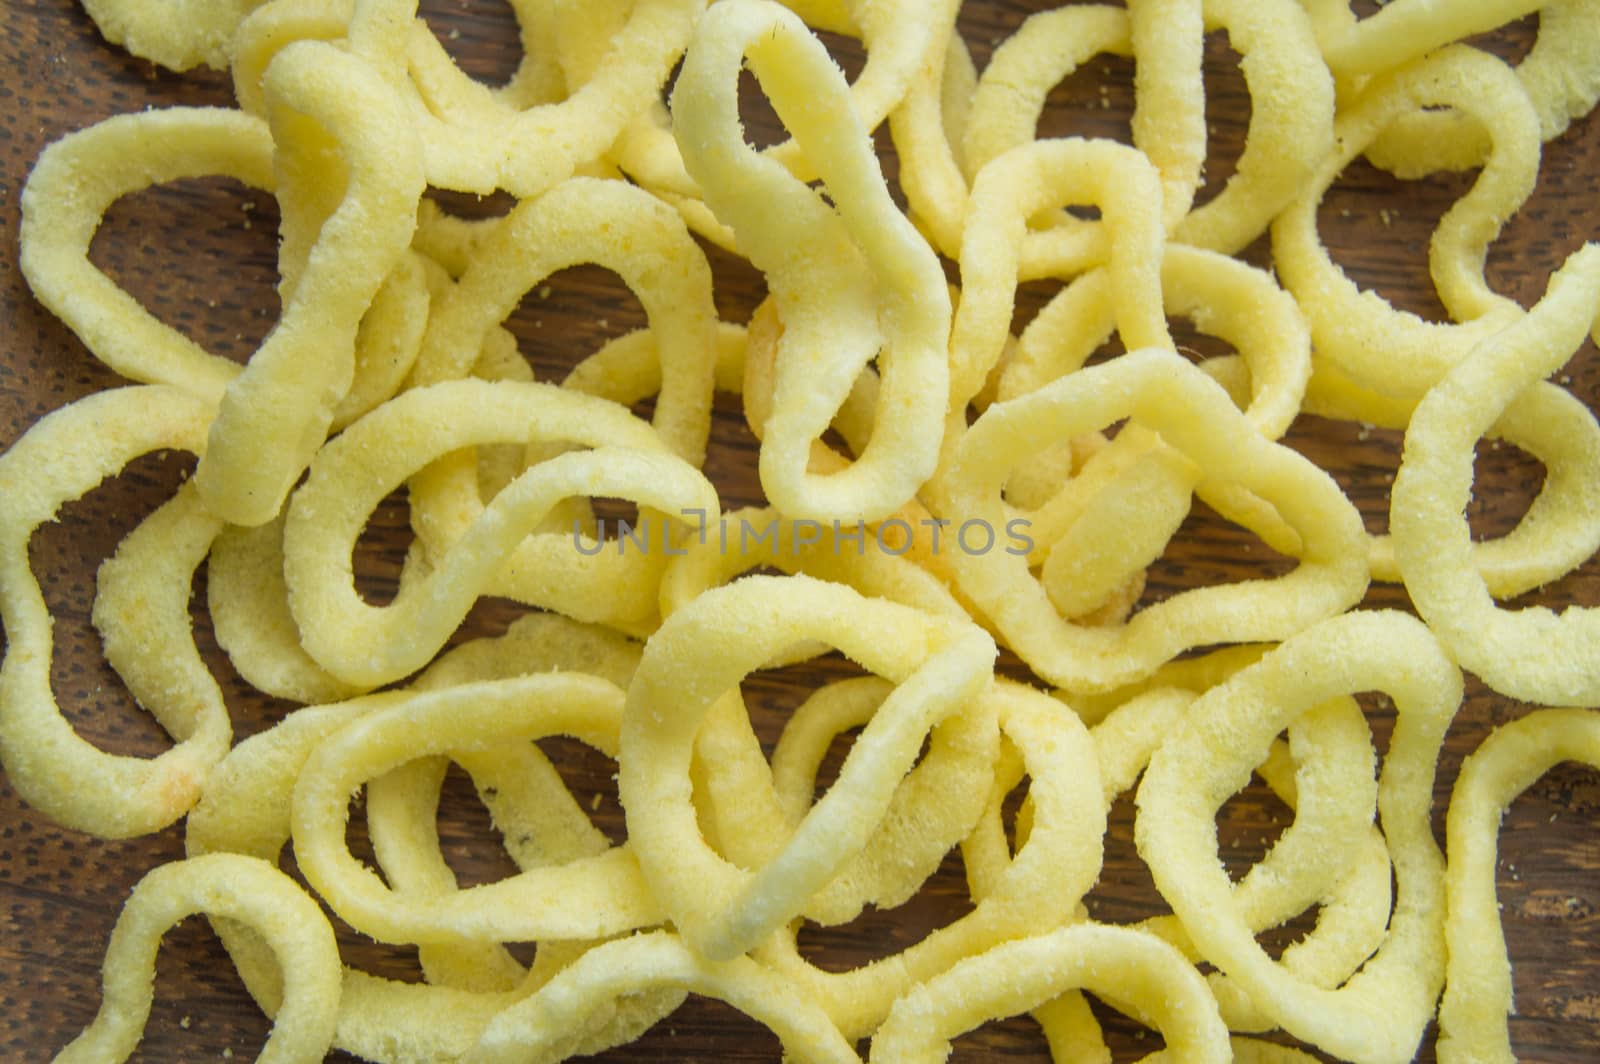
<point>1534,654</point>
<point>938,664</point>
<point>67,193</point>
<point>1330,856</point>
<point>247,809</point>
<point>1018,185</point>
<point>1236,302</point>
<point>1291,93</point>
<point>1069,1026</point>
<point>59,459</point>
<point>900,38</point>
<point>1353,890</point>
<point>1557,533</point>
<point>525,151</point>
<point>342,633</point>
<point>618,227</point>
<point>1559,73</point>
<point>1195,416</point>
<point>1012,188</point>
<point>1379,1014</point>
<point>1038,889</point>
<point>351,476</point>
<point>1394,351</point>
<point>854,423</point>
<point>547,1026</point>
<point>586,898</point>
<point>538,820</point>
<point>737,804</point>
<point>1021,974</point>
<point>1477,992</point>
<point>848,280</point>
<point>275,414</point>
<point>242,889</point>
<point>178,34</point>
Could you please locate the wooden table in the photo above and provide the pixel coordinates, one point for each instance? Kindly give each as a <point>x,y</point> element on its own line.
<point>202,256</point>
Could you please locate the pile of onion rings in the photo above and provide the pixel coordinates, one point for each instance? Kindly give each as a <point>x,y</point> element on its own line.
<point>945,499</point>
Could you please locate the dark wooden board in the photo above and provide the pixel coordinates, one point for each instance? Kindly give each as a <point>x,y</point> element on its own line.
<point>202,255</point>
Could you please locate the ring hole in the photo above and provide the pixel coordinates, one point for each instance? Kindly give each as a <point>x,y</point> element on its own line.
<point>381,549</point>
<point>468,840</point>
<point>63,555</point>
<point>171,247</point>
<point>880,933</point>
<point>1227,115</point>
<point>482,36</point>
<point>591,779</point>
<point>570,315</point>
<point>1376,228</point>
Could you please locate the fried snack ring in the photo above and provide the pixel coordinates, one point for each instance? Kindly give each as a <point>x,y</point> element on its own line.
<point>623,229</point>
<point>588,898</point>
<point>178,34</point>
<point>61,458</point>
<point>473,142</point>
<point>1330,855</point>
<point>1017,186</point>
<point>851,282</point>
<point>1291,115</point>
<point>1535,654</point>
<point>247,809</point>
<point>547,1026</point>
<point>1557,533</point>
<point>1559,74</point>
<point>242,889</point>
<point>538,820</point>
<point>1379,1014</point>
<point>1037,889</point>
<point>1390,351</point>
<point>1477,991</point>
<point>930,812</point>
<point>939,665</point>
<point>911,531</point>
<point>68,192</point>
<point>1193,415</point>
<point>276,413</point>
<point>1234,301</point>
<point>1014,187</point>
<point>898,36</point>
<point>371,458</point>
<point>1021,974</point>
<point>739,808</point>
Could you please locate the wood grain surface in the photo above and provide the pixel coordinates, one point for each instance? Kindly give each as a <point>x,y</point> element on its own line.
<point>201,255</point>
